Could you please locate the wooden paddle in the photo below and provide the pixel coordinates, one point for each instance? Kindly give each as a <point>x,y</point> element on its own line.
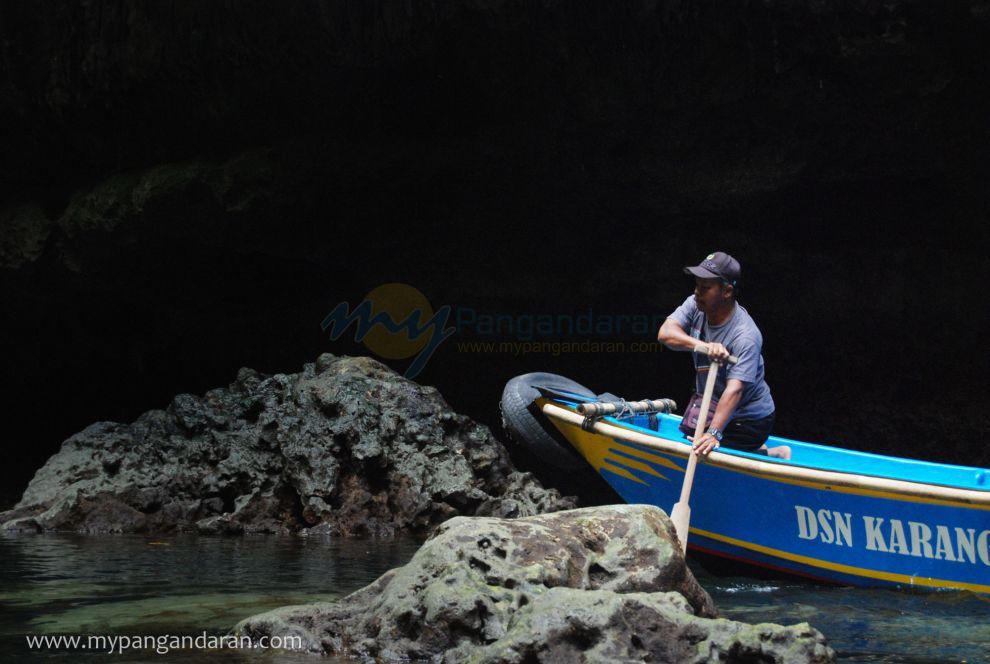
<point>681,514</point>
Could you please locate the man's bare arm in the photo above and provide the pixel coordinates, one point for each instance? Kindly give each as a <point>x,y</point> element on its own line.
<point>673,336</point>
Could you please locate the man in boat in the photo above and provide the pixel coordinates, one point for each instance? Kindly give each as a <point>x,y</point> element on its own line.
<point>744,414</point>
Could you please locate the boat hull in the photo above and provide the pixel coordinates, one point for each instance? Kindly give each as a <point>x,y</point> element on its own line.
<point>825,530</point>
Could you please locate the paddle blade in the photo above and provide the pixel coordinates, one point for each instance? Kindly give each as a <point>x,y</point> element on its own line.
<point>681,516</point>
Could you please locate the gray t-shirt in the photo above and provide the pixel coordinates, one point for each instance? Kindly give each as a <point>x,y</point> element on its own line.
<point>744,340</point>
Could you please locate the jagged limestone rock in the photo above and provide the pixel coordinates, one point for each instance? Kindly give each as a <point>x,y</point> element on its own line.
<point>347,446</point>
<point>597,584</point>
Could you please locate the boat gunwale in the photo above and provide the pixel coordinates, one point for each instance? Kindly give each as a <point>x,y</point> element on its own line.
<point>779,470</point>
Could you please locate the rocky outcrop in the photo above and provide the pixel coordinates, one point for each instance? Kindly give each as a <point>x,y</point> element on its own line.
<point>597,584</point>
<point>345,447</point>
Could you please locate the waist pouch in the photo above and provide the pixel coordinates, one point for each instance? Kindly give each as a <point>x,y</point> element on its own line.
<point>690,420</point>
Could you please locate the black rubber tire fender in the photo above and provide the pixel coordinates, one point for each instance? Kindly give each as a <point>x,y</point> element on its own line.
<point>532,429</point>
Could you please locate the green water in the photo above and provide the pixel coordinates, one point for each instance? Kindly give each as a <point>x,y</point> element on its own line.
<point>187,585</point>
<point>166,586</point>
<point>865,625</point>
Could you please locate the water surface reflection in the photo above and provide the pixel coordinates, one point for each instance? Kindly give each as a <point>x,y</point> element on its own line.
<point>187,585</point>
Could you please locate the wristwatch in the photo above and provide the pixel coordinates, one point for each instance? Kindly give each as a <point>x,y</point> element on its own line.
<point>716,433</point>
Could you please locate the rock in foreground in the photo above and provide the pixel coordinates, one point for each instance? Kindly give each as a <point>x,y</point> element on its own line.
<point>347,446</point>
<point>603,584</point>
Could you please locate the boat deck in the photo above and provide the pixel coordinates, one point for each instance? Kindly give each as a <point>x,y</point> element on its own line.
<point>824,457</point>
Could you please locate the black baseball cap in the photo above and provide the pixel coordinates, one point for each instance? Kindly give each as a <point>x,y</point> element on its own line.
<point>718,265</point>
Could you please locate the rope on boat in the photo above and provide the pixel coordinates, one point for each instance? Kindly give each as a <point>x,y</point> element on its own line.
<point>595,410</point>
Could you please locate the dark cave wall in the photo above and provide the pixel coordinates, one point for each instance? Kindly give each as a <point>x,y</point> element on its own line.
<point>746,97</point>
<point>190,188</point>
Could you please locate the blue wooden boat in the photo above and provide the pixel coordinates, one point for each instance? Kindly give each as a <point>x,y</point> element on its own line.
<point>830,514</point>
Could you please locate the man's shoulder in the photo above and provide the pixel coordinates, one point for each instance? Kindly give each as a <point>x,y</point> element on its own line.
<point>745,327</point>
<point>744,319</point>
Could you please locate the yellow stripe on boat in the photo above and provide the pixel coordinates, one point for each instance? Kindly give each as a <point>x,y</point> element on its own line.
<point>844,569</point>
<point>603,457</point>
<point>905,491</point>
